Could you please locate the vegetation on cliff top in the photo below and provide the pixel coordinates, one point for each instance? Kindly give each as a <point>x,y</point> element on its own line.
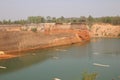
<point>115,20</point>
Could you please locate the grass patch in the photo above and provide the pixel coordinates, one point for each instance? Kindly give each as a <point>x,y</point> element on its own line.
<point>89,76</point>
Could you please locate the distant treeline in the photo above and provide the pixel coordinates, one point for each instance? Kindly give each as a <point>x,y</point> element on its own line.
<point>115,20</point>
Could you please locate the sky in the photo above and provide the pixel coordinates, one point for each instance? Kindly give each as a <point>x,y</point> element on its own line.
<point>21,9</point>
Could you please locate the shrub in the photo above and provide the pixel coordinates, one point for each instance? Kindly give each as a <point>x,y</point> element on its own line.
<point>34,29</point>
<point>89,76</point>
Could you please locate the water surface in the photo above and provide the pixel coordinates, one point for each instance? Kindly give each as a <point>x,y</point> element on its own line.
<point>66,62</point>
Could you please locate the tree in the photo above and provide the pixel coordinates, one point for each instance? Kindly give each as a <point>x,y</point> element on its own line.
<point>62,19</point>
<point>30,19</point>
<point>22,22</point>
<point>36,19</point>
<point>54,19</point>
<point>9,21</point>
<point>0,22</point>
<point>82,19</point>
<point>48,19</point>
<point>90,21</point>
<point>5,22</point>
<point>115,20</point>
<point>42,20</point>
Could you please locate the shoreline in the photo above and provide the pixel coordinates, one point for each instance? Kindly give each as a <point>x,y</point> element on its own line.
<point>29,41</point>
<point>18,41</point>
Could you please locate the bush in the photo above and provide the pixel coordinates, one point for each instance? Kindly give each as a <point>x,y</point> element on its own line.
<point>89,76</point>
<point>34,29</point>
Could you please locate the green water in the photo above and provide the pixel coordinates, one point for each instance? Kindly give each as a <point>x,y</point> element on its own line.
<point>66,62</point>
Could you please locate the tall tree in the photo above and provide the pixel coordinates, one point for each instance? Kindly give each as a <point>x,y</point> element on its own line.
<point>90,21</point>
<point>54,19</point>
<point>48,19</point>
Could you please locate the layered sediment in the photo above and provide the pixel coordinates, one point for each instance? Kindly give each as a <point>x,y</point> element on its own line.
<point>20,41</point>
<point>31,37</point>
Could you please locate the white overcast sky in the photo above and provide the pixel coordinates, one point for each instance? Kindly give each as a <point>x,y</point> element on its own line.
<point>21,9</point>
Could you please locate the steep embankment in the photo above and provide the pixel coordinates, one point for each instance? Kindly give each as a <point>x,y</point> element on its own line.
<point>19,41</point>
<point>11,42</point>
<point>105,30</point>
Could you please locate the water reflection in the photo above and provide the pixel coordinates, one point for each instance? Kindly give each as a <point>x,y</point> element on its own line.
<point>103,46</point>
<point>31,58</point>
<point>24,61</point>
<point>66,62</point>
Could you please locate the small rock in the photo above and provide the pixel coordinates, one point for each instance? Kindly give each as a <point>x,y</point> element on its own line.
<point>56,79</point>
<point>2,67</point>
<point>55,57</point>
<point>33,54</point>
<point>2,53</point>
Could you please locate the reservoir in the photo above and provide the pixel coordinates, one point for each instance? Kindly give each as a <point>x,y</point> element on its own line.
<point>66,62</point>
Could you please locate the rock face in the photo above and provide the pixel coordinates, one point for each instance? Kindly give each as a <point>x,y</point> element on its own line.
<point>105,30</point>
<point>2,53</point>
<point>17,41</point>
